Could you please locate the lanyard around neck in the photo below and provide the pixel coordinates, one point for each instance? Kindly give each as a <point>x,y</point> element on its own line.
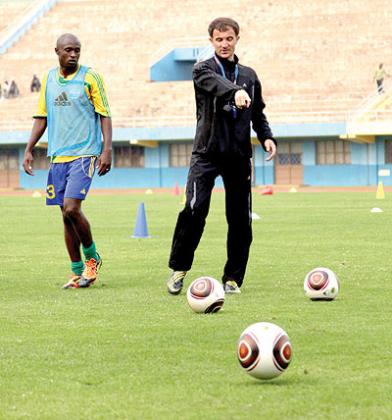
<point>222,69</point>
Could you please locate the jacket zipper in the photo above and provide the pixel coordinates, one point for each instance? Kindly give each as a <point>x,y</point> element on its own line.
<point>212,124</point>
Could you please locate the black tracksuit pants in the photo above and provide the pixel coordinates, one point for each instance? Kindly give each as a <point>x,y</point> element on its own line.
<point>236,175</point>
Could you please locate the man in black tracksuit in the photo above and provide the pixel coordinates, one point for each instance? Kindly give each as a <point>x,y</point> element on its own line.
<point>228,100</point>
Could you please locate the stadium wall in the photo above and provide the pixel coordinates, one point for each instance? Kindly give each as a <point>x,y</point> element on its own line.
<point>366,160</point>
<point>362,170</point>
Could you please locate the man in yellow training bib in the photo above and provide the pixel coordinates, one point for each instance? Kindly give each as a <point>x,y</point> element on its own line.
<point>74,107</point>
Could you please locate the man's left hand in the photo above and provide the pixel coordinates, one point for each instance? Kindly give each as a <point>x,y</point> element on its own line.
<point>104,162</point>
<point>270,147</point>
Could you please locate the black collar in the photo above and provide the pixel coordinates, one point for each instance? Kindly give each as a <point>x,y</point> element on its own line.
<point>227,64</point>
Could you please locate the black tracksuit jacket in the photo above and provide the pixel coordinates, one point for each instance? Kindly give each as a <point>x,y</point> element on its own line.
<point>217,132</point>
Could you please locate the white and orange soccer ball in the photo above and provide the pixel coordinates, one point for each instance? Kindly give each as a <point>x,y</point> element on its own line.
<point>321,284</point>
<point>264,350</point>
<point>205,295</point>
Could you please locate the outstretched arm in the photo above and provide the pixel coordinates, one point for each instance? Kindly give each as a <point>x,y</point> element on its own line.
<point>37,131</point>
<point>105,160</point>
<point>206,79</point>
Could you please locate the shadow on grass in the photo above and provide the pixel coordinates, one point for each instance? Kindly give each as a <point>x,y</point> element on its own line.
<point>279,381</point>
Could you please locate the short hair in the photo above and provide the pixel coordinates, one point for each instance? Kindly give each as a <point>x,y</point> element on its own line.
<point>66,38</point>
<point>222,23</point>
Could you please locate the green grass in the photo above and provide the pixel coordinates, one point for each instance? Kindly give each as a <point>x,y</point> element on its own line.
<point>126,349</point>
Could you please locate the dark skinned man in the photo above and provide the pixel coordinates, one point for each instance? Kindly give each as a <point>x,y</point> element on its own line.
<point>74,107</point>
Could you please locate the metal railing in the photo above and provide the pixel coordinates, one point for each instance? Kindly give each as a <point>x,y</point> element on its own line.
<point>372,100</point>
<point>159,121</point>
<point>122,122</point>
<point>190,120</point>
<point>18,27</point>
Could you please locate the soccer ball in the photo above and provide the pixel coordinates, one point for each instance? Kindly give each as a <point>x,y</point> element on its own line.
<point>264,350</point>
<point>321,284</point>
<point>205,295</point>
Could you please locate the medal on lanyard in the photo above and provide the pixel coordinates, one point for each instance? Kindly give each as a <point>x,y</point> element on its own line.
<point>233,108</point>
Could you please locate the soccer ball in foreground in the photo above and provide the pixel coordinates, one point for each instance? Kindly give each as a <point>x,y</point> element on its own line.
<point>321,284</point>
<point>205,295</point>
<point>264,350</point>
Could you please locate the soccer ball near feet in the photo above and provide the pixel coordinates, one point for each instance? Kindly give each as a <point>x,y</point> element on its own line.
<point>205,295</point>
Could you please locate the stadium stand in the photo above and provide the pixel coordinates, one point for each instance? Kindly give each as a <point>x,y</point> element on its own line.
<point>316,63</point>
<point>11,10</point>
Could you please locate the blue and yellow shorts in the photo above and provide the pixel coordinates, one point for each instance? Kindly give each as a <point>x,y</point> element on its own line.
<point>69,180</point>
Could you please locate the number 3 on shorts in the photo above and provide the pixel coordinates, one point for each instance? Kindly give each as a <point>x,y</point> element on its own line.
<point>50,194</point>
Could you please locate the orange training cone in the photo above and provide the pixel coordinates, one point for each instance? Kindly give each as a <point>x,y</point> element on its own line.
<point>176,189</point>
<point>267,191</point>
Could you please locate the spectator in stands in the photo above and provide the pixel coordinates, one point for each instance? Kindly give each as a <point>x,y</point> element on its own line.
<point>74,154</point>
<point>6,89</point>
<point>379,77</point>
<point>35,85</point>
<point>13,91</point>
<point>228,99</point>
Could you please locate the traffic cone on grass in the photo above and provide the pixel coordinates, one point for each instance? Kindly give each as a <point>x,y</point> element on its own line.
<point>141,230</point>
<point>380,195</point>
<point>267,191</point>
<point>176,189</point>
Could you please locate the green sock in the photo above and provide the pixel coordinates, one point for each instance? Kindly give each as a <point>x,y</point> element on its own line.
<point>77,267</point>
<point>90,252</point>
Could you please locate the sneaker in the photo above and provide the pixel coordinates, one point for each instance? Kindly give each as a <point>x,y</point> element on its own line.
<point>176,282</point>
<point>231,287</point>
<point>90,272</point>
<point>73,282</point>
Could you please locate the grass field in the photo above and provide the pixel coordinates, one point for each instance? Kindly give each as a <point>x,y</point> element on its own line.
<point>125,349</point>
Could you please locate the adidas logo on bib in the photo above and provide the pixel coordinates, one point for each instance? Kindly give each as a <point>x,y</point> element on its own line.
<point>62,100</point>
